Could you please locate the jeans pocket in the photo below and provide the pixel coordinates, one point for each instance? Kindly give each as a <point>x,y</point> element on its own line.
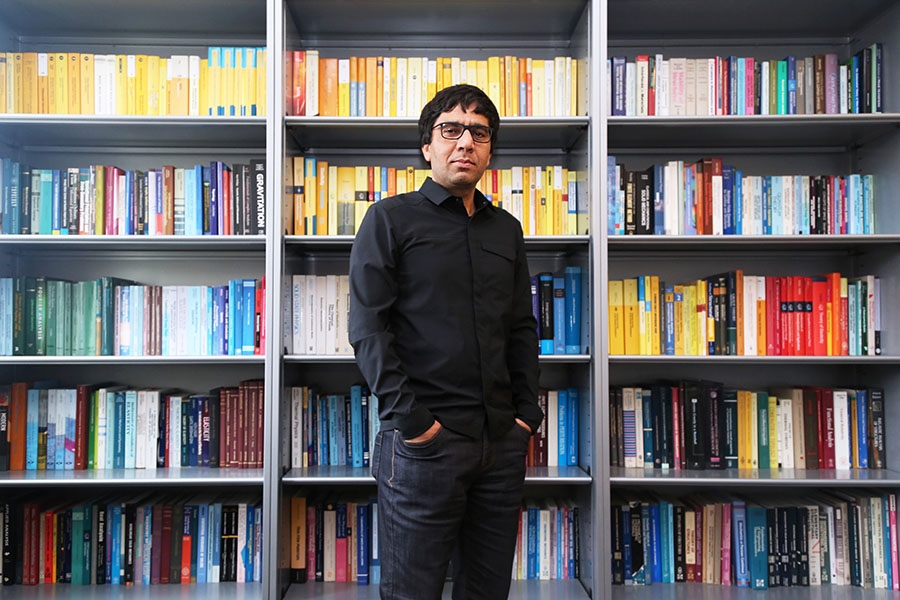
<point>376,453</point>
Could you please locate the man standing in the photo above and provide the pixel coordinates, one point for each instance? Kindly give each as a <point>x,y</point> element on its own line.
<point>442,326</point>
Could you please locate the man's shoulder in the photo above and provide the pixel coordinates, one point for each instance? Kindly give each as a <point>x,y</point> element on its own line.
<point>400,201</point>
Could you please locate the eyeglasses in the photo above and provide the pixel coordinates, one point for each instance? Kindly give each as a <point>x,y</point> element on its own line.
<point>453,131</point>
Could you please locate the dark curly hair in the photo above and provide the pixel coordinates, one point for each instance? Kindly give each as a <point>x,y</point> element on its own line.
<point>447,99</point>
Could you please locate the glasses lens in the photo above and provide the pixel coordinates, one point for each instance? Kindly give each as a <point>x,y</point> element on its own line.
<point>451,131</point>
<point>480,133</point>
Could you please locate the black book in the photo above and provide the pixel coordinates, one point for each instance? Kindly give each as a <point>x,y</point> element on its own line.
<point>695,425</point>
<point>644,200</point>
<point>4,432</point>
<point>678,529</point>
<point>8,544</point>
<point>175,545</point>
<point>130,518</point>
<point>715,421</point>
<point>545,302</point>
<point>876,428</point>
<point>618,565</point>
<point>213,402</point>
<point>100,537</point>
<point>320,541</point>
<point>24,199</point>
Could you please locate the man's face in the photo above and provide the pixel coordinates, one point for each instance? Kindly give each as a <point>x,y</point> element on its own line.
<point>457,164</point>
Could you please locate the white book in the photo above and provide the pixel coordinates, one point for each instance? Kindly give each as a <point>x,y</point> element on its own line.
<point>242,542</point>
<point>876,518</point>
<point>330,314</point>
<point>130,428</point>
<point>152,407</point>
<point>386,96</point>
<point>560,88</point>
<point>841,430</point>
<point>549,88</point>
<point>789,222</point>
<point>630,89</point>
<point>413,85</point>
<point>402,78</point>
<point>764,87</point>
<point>544,542</point>
<point>630,428</point>
<point>180,322</point>
<point>329,522</point>
<point>638,427</point>
<point>193,85</point>
<point>141,430</point>
<point>677,91</point>
<point>813,544</point>
<point>309,316</point>
<point>295,309</point>
<point>718,217</point>
<point>312,83</point>
<point>342,317</point>
<point>842,86</point>
<point>701,87</point>
<point>642,87</point>
<point>690,86</point>
<point>175,403</point>
<point>750,325</point>
<point>320,315</point>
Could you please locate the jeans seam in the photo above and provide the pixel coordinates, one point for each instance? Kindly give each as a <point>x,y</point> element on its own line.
<point>390,481</point>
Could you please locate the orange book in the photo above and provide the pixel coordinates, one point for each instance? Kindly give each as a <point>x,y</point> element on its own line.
<point>43,82</point>
<point>18,84</point>
<point>299,212</point>
<point>18,408</point>
<point>371,86</point>
<point>289,82</point>
<point>392,182</point>
<point>29,82</point>
<point>529,102</point>
<point>322,191</point>
<point>168,200</point>
<point>328,87</point>
<point>298,73</point>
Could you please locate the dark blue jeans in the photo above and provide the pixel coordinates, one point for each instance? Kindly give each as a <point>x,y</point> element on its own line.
<point>452,496</point>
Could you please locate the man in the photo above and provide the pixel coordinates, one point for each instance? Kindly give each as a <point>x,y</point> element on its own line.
<point>442,326</point>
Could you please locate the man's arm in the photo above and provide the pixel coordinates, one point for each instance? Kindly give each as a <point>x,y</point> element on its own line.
<point>522,346</point>
<point>373,292</point>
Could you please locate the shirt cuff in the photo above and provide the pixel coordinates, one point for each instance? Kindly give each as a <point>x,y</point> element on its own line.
<point>415,423</point>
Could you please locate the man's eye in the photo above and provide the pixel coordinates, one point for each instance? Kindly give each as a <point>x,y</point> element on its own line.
<point>452,130</point>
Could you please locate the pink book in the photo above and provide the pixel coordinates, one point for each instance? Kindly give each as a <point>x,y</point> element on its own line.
<point>749,81</point>
<point>676,429</point>
<point>895,559</point>
<point>831,84</point>
<point>726,543</point>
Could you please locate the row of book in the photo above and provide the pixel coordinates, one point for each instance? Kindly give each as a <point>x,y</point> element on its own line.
<point>132,539</point>
<point>47,427</point>
<point>332,429</point>
<point>654,85</point>
<point>708,197</point>
<point>214,199</point>
<point>42,316</point>
<point>317,315</point>
<point>399,86</point>
<point>328,199</point>
<point>555,443</point>
<point>820,538</point>
<point>229,81</point>
<point>338,541</point>
<point>557,301</point>
<point>746,315</point>
<point>706,425</point>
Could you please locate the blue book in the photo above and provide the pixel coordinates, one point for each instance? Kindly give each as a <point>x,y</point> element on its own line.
<point>572,276</point>
<point>364,418</point>
<point>572,417</point>
<point>791,84</point>
<point>130,428</point>
<point>231,313</point>
<point>375,553</point>
<point>690,196</point>
<point>356,426</point>
<point>626,542</point>
<point>728,214</point>
<point>114,526</point>
<point>766,204</point>
<point>738,202</point>
<point>757,547</point>
<point>58,213</point>
<point>562,428</point>
<point>51,430</point>
<point>214,549</point>
<point>612,195</point>
<point>69,435</point>
<point>32,411</point>
<point>46,206</point>
<point>248,335</point>
<point>118,445</point>
<point>665,572</point>
<point>193,428</point>
<point>739,548</point>
<point>532,513</point>
<point>536,304</point>
<point>669,329</point>
<point>334,438</point>
<point>740,107</point>
<point>862,427</point>
<point>545,300</point>
<point>659,199</point>
<point>363,535</point>
<point>323,434</point>
<point>559,315</point>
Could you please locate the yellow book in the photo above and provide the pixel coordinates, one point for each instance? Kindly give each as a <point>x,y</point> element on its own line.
<point>299,211</point>
<point>242,79</point>
<point>420,176</point>
<point>346,193</point>
<point>73,87</point>
<point>152,77</point>
<point>343,88</point>
<point>322,221</point>
<point>528,201</point>
<point>131,84</point>
<point>360,195</point>
<point>754,432</point>
<point>655,344</point>
<point>20,83</point>
<point>141,88</point>
<point>512,86</point>
<point>505,201</point>
<point>121,84</point>
<point>702,346</point>
<point>13,97</point>
<point>163,79</point>
<point>5,68</point>
<point>229,66</point>
<point>86,73</point>
<point>502,108</point>
<point>29,82</point>
<point>690,318</point>
<point>99,195</point>
<point>310,196</point>
<point>482,74</point>
<point>287,202</point>
<point>43,78</point>
<point>678,311</point>
<point>61,83</point>
<point>558,207</point>
<point>574,96</point>
<point>262,103</point>
<point>632,319</point>
<point>493,82</point>
<point>214,82</point>
<point>401,181</point>
<point>744,409</point>
<point>371,86</point>
<point>616,317</point>
<point>203,100</point>
<point>379,86</point>
<point>412,183</point>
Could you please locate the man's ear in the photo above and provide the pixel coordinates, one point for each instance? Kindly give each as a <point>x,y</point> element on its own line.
<point>426,152</point>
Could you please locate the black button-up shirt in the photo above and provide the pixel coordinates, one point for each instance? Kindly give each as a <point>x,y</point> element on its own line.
<point>440,314</point>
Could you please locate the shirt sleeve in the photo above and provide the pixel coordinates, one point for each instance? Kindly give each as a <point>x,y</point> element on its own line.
<point>373,293</point>
<point>522,347</point>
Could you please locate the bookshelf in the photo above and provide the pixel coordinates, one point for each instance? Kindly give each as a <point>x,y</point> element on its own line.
<point>777,144</point>
<point>456,28</point>
<point>57,141</point>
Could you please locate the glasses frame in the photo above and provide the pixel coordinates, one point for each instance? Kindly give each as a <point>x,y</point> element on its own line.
<point>469,128</point>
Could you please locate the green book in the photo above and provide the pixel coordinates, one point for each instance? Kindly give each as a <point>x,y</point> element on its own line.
<point>762,427</point>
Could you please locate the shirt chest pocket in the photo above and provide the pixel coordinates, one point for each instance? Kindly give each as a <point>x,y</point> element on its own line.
<point>496,269</point>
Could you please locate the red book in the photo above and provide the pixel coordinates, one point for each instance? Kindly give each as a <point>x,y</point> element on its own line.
<point>298,97</point>
<point>803,315</point>
<point>82,417</point>
<point>18,415</point>
<point>340,544</point>
<point>227,207</point>
<point>186,543</point>
<point>156,543</point>
<point>165,556</point>
<point>677,441</point>
<point>820,295</point>
<point>787,316</point>
<point>311,541</point>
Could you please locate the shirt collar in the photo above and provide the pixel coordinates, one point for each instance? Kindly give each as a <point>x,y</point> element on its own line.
<point>438,195</point>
